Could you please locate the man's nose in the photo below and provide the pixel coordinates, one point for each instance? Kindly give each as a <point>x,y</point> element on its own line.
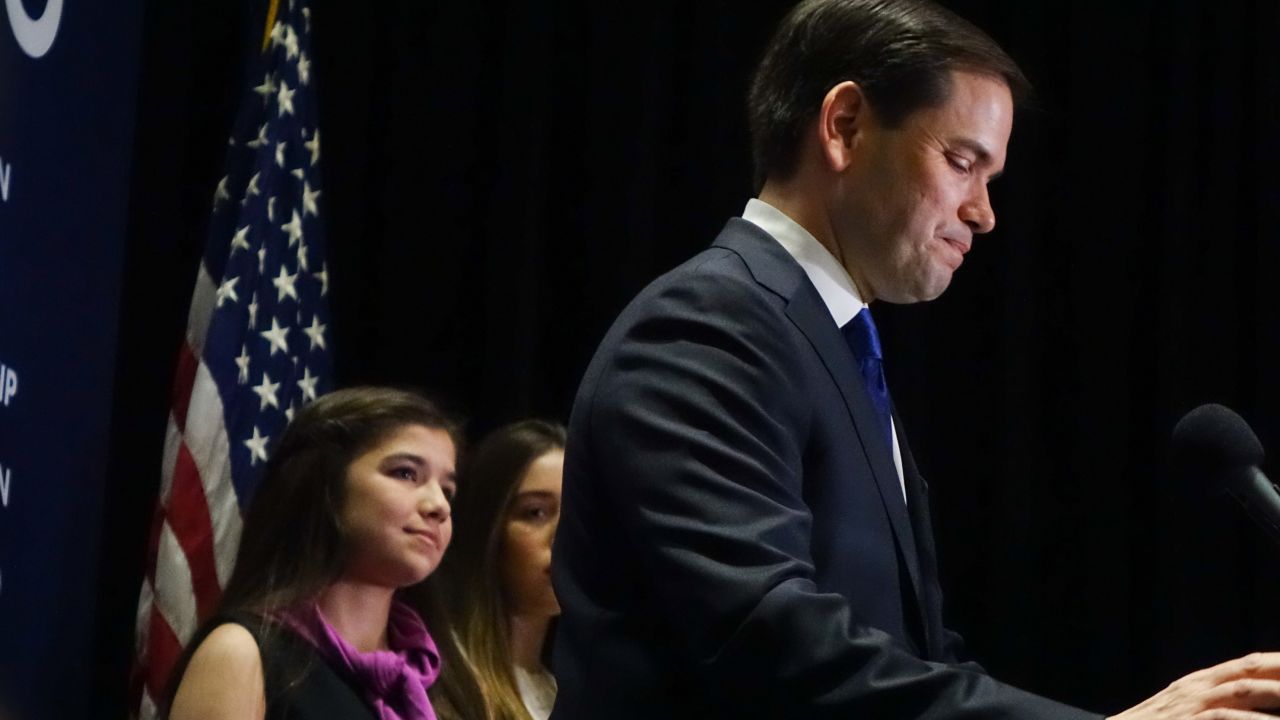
<point>977,213</point>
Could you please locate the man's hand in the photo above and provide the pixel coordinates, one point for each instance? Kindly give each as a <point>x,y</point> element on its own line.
<point>1235,690</point>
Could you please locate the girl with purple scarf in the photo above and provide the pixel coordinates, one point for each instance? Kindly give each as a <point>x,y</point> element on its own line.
<point>330,611</point>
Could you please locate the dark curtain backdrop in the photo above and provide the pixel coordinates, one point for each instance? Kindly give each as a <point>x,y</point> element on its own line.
<point>501,178</point>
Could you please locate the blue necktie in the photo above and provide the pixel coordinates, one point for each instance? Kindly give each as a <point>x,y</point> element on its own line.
<point>860,333</point>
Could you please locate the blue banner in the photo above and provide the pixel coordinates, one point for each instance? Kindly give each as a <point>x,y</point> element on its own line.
<point>68,89</point>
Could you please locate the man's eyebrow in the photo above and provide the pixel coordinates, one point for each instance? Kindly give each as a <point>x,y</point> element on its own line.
<point>980,152</point>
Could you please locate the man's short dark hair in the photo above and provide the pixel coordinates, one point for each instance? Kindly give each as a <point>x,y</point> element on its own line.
<point>900,52</point>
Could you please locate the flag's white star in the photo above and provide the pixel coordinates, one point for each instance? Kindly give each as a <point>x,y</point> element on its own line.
<point>294,228</point>
<point>280,153</point>
<point>313,145</point>
<point>302,257</point>
<point>304,69</point>
<point>253,312</point>
<point>309,198</point>
<point>307,384</point>
<point>267,393</point>
<point>257,446</point>
<point>306,15</point>
<point>242,362</point>
<point>316,333</point>
<point>228,290</point>
<point>252,189</point>
<point>266,89</point>
<point>290,43</point>
<point>297,172</point>
<point>277,337</point>
<point>260,140</point>
<point>277,33</point>
<point>221,193</point>
<point>323,276</point>
<point>288,413</point>
<point>284,97</point>
<point>241,240</point>
<point>271,209</point>
<point>262,259</point>
<point>284,283</point>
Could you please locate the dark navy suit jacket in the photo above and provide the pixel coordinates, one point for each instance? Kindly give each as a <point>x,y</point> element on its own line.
<point>733,540</point>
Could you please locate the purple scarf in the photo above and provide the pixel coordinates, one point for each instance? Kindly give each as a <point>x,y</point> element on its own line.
<point>393,681</point>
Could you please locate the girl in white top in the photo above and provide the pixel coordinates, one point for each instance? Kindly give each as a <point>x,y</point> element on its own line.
<point>499,569</point>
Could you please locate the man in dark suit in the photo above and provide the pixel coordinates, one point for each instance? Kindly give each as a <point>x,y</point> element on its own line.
<point>743,530</point>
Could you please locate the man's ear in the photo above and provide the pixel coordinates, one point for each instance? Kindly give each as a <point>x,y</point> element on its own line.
<point>842,123</point>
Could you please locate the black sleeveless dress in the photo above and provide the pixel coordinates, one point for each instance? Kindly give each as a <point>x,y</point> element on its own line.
<point>299,684</point>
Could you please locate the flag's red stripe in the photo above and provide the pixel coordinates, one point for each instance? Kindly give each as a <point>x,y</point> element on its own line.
<point>188,517</point>
<point>163,650</point>
<point>183,379</point>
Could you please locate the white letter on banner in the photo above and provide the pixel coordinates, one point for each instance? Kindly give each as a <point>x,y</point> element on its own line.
<point>5,172</point>
<point>5,477</point>
<point>8,384</point>
<point>35,37</point>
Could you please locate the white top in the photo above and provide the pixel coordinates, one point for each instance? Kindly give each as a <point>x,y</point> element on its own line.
<point>537,690</point>
<point>826,273</point>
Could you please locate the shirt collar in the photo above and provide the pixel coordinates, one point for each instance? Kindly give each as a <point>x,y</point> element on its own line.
<point>826,273</point>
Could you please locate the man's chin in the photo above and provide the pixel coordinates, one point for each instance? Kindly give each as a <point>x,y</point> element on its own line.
<point>936,291</point>
<point>931,290</point>
<point>936,284</point>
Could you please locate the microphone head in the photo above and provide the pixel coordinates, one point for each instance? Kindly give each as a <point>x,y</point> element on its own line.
<point>1214,437</point>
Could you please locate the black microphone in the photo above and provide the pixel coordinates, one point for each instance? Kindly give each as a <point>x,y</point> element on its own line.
<point>1217,447</point>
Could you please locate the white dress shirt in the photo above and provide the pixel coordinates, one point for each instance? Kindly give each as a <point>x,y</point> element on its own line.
<point>826,273</point>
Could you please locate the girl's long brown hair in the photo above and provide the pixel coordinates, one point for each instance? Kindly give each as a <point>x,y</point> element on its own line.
<point>488,483</point>
<point>292,545</point>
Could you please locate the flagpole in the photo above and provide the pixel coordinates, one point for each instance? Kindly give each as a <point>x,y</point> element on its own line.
<point>271,21</point>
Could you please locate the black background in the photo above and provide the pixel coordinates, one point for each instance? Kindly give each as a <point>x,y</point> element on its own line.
<point>501,178</point>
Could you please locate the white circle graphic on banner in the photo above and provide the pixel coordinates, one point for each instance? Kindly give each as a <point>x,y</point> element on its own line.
<point>35,36</point>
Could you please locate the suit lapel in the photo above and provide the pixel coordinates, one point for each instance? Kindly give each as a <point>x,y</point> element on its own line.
<point>774,268</point>
<point>929,597</point>
<point>810,315</point>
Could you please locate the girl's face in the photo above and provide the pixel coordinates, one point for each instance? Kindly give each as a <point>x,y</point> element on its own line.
<point>396,520</point>
<point>524,558</point>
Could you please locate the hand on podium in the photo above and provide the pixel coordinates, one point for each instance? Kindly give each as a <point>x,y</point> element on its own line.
<point>1238,689</point>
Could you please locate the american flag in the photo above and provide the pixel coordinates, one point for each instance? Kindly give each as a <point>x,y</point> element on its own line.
<point>256,349</point>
